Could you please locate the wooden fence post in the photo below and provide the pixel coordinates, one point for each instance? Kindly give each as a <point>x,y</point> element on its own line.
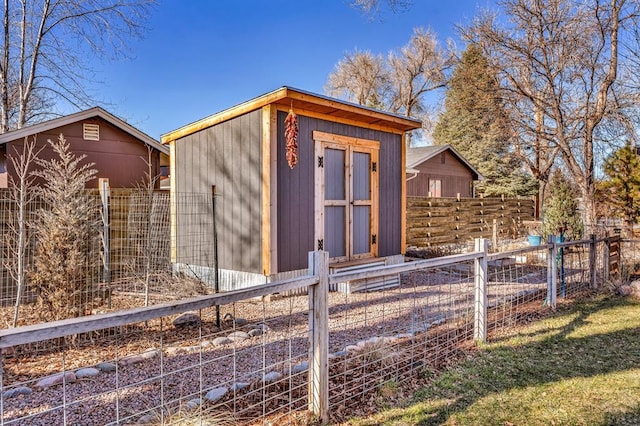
<point>480,274</point>
<point>552,272</point>
<point>319,336</point>
<point>592,261</point>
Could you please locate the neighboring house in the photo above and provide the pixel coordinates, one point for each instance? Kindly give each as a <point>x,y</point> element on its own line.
<point>439,171</point>
<point>118,149</point>
<point>346,194</point>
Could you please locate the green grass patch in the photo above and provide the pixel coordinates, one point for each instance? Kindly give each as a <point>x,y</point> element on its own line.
<point>578,367</point>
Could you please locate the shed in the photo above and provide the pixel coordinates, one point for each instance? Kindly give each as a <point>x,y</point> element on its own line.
<point>345,195</point>
<point>439,171</point>
<point>118,150</point>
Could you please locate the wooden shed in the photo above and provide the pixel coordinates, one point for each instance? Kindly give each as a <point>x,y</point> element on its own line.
<point>118,150</point>
<point>345,195</point>
<point>439,171</point>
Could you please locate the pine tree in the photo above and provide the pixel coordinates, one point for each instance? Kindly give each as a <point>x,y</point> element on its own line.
<point>476,125</point>
<point>60,278</point>
<point>561,214</point>
<point>621,190</point>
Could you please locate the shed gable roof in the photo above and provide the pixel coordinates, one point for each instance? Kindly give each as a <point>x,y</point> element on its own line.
<point>79,116</point>
<point>417,156</point>
<point>302,102</point>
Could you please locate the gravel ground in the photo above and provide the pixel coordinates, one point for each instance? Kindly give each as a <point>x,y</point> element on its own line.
<point>187,367</point>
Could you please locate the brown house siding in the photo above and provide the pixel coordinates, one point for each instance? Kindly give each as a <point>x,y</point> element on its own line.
<point>456,178</point>
<point>117,155</point>
<point>229,156</point>
<point>296,191</point>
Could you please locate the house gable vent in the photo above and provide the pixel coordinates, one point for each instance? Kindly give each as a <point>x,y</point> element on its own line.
<point>91,132</point>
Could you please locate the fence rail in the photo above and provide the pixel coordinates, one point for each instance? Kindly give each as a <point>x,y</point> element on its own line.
<point>275,358</point>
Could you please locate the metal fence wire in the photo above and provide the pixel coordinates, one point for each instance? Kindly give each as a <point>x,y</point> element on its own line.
<point>276,359</point>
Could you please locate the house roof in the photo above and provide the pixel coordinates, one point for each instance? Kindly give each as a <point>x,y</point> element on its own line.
<point>79,116</point>
<point>417,156</point>
<point>305,103</point>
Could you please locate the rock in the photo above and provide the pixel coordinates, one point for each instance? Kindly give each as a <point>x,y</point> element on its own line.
<point>188,319</point>
<point>238,336</point>
<point>256,332</point>
<point>150,354</point>
<point>106,367</point>
<point>625,290</point>
<point>20,390</point>
<point>271,377</point>
<point>130,360</point>
<point>299,368</point>
<point>340,353</point>
<point>220,341</point>
<point>239,386</point>
<point>56,379</point>
<point>352,348</point>
<point>215,394</point>
<point>87,372</point>
<point>193,404</point>
<point>231,320</point>
<point>147,419</point>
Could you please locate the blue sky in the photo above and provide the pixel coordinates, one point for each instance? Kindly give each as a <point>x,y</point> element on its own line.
<point>200,57</point>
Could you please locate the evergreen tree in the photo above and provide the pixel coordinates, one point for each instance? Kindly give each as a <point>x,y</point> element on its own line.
<point>621,190</point>
<point>561,214</point>
<point>476,125</point>
<point>60,277</point>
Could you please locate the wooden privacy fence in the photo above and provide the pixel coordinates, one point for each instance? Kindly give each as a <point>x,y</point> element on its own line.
<point>459,220</point>
<point>488,282</point>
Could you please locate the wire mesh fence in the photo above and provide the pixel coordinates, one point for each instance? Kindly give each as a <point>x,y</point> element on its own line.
<point>250,356</point>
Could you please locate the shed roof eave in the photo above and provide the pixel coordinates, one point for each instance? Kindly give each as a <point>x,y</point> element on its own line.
<point>285,94</point>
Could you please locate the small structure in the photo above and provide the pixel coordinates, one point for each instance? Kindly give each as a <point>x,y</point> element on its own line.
<point>345,195</point>
<point>439,171</point>
<point>118,150</point>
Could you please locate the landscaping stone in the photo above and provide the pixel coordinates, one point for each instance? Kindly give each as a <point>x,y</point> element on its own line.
<point>239,386</point>
<point>188,319</point>
<point>352,348</point>
<point>256,332</point>
<point>147,419</point>
<point>271,377</point>
<point>193,404</point>
<point>106,367</point>
<point>215,394</point>
<point>130,360</point>
<point>340,353</point>
<point>220,341</point>
<point>56,379</point>
<point>238,336</point>
<point>87,372</point>
<point>299,368</point>
<point>20,390</point>
<point>150,354</point>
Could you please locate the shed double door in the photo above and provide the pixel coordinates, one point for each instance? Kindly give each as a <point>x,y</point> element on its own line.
<point>346,194</point>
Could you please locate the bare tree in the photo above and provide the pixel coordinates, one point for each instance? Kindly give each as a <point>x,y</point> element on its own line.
<point>360,77</point>
<point>558,63</point>
<point>22,195</point>
<point>400,83</point>
<point>48,48</point>
<point>373,7</point>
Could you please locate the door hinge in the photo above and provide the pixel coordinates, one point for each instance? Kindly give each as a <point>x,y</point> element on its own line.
<point>374,239</point>
<point>320,161</point>
<point>320,244</point>
<point>374,166</point>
